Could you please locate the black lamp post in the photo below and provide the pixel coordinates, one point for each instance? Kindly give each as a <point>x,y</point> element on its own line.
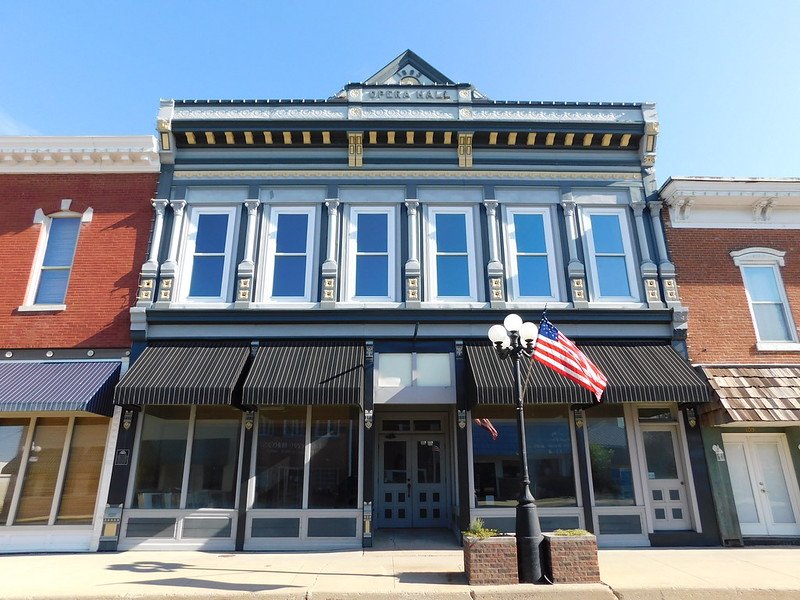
<point>514,339</point>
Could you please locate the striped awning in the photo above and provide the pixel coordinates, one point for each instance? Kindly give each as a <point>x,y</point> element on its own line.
<point>329,372</point>
<point>183,374</point>
<point>54,386</point>
<point>635,373</point>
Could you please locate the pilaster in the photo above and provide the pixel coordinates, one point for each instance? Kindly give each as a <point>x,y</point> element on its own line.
<point>494,270</point>
<point>575,270</point>
<point>666,270</point>
<point>648,268</point>
<point>149,273</point>
<point>330,268</point>
<point>245,272</point>
<point>412,271</point>
<point>169,269</point>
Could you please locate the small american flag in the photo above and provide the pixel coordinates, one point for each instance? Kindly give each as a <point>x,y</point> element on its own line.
<point>555,350</point>
<point>487,425</point>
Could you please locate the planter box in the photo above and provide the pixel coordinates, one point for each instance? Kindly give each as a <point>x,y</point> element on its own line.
<point>571,559</point>
<point>490,561</point>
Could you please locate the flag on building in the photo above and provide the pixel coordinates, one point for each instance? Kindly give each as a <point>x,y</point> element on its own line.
<point>487,425</point>
<point>555,350</point>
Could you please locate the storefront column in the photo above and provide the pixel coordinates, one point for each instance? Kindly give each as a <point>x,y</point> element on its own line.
<point>465,496</point>
<point>719,481</point>
<point>579,420</point>
<point>244,479</point>
<point>369,449</point>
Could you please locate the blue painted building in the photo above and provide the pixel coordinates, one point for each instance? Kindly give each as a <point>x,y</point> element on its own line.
<point>310,332</point>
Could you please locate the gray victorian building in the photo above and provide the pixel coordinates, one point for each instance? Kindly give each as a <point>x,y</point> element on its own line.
<point>310,360</point>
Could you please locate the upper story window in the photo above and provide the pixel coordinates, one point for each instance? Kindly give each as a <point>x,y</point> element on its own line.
<point>371,254</point>
<point>290,254</point>
<point>208,254</point>
<point>766,296</point>
<point>612,273</point>
<point>62,238</point>
<point>451,254</point>
<point>531,254</point>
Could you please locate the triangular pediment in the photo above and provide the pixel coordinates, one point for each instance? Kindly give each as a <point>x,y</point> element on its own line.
<point>409,68</point>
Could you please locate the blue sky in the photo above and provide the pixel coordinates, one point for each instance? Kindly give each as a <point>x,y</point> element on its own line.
<point>724,74</point>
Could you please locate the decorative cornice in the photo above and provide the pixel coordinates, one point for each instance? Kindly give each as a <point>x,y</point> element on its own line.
<point>406,174</point>
<point>236,113</point>
<point>40,154</point>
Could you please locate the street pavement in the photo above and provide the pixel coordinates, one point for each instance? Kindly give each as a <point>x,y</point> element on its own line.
<point>395,568</point>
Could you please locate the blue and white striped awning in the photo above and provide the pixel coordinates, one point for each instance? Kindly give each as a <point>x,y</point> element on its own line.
<point>57,386</point>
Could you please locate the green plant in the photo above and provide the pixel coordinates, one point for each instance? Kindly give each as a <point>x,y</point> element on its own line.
<point>478,529</point>
<point>571,532</point>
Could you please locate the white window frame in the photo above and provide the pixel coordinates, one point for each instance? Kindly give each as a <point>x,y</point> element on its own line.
<point>512,253</point>
<point>767,258</point>
<point>29,302</point>
<point>187,254</point>
<point>270,246</point>
<point>352,252</point>
<point>432,253</point>
<point>627,245</point>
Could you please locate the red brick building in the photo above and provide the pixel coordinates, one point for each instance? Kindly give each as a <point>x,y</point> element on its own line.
<point>736,248</point>
<point>76,216</point>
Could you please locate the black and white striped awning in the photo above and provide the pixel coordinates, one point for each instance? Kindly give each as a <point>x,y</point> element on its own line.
<point>54,386</point>
<point>635,373</point>
<point>183,374</point>
<point>329,372</point>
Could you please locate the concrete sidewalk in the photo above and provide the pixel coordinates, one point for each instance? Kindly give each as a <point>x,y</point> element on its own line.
<point>663,574</point>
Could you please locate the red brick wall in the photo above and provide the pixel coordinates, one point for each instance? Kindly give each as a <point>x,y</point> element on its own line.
<point>491,561</point>
<point>573,559</point>
<point>720,326</point>
<point>110,252</point>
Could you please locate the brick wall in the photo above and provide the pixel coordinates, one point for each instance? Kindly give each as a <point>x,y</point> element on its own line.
<point>491,561</point>
<point>573,559</point>
<point>720,326</point>
<point>110,252</point>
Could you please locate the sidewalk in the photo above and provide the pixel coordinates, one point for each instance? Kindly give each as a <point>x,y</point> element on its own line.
<point>650,574</point>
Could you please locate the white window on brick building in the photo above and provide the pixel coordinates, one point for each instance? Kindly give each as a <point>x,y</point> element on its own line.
<point>766,297</point>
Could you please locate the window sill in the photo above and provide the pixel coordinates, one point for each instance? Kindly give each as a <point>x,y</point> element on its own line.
<point>42,308</point>
<point>778,347</point>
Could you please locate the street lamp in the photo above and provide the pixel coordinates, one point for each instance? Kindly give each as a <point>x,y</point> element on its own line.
<point>514,339</point>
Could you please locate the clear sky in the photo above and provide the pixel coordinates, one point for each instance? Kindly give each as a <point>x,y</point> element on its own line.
<point>725,74</point>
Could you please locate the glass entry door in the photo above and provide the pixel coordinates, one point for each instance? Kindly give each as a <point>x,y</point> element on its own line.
<point>411,489</point>
<point>764,489</point>
<point>666,482</point>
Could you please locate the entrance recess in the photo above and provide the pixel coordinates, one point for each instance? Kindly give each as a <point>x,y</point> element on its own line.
<point>764,488</point>
<point>412,488</point>
<point>666,480</point>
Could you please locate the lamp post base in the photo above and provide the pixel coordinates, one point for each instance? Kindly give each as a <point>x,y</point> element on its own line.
<point>529,540</point>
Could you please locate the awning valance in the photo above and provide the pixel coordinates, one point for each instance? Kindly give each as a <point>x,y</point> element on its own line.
<point>183,374</point>
<point>635,372</point>
<point>753,394</point>
<point>292,373</point>
<point>57,386</point>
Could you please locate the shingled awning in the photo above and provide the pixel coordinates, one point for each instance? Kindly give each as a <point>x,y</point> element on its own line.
<point>183,374</point>
<point>635,372</point>
<point>295,373</point>
<point>752,394</point>
<point>57,386</point>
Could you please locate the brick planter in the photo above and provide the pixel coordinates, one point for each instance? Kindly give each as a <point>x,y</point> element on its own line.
<point>571,559</point>
<point>490,561</point>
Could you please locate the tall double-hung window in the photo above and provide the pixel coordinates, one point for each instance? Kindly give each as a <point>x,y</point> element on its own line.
<point>532,257</point>
<point>612,273</point>
<point>766,297</point>
<point>451,254</point>
<point>209,254</point>
<point>54,272</point>
<point>290,254</point>
<point>372,254</point>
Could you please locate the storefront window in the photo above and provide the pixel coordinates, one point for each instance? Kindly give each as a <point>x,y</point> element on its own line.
<point>215,458</point>
<point>333,470</point>
<point>13,433</point>
<point>41,473</point>
<point>280,456</point>
<point>550,464</point>
<point>83,471</point>
<point>612,477</point>
<point>162,450</point>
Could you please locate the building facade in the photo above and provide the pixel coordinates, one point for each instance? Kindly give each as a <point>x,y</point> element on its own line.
<point>736,248</point>
<point>76,218</point>
<point>310,350</point>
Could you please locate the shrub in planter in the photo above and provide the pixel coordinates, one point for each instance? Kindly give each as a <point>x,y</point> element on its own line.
<point>571,556</point>
<point>489,558</point>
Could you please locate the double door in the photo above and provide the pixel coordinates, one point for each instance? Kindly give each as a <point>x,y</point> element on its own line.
<point>412,487</point>
<point>764,487</point>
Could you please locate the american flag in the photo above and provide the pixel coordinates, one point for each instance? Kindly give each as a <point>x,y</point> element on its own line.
<point>555,350</point>
<point>487,425</point>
